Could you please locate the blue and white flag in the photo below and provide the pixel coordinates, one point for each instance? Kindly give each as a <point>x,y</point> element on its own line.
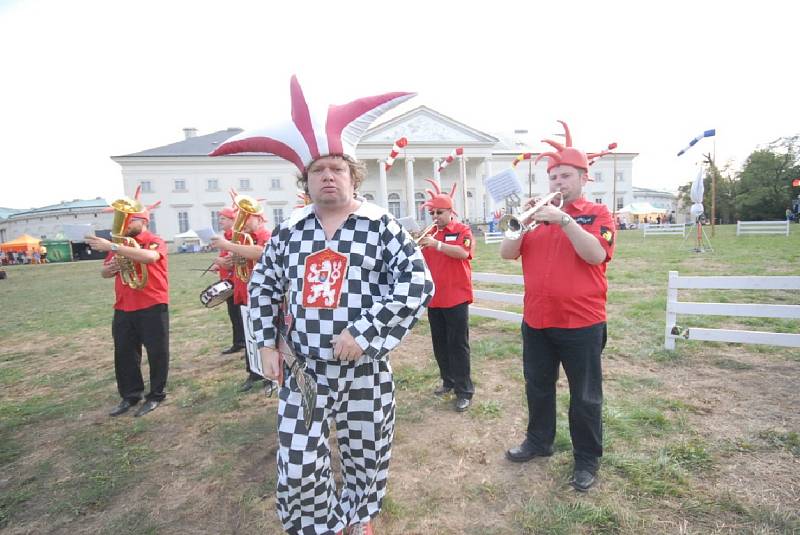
<point>707,133</point>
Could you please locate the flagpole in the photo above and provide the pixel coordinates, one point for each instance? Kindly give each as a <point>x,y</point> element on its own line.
<point>713,184</point>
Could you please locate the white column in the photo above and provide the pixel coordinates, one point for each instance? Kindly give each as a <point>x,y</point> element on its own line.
<point>383,196</point>
<point>410,209</point>
<point>487,172</point>
<point>462,175</point>
<point>436,175</point>
<point>480,210</point>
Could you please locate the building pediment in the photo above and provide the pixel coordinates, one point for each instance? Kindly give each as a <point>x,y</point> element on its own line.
<point>425,126</point>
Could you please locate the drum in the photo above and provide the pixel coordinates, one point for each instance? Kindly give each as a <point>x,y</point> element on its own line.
<point>216,294</point>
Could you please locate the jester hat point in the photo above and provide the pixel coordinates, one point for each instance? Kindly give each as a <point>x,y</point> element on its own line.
<point>438,199</point>
<point>566,154</point>
<point>311,132</point>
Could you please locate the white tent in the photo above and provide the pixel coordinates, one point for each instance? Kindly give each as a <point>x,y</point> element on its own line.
<point>189,238</point>
<point>641,208</point>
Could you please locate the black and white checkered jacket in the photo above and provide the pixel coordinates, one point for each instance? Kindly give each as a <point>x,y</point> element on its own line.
<point>385,290</point>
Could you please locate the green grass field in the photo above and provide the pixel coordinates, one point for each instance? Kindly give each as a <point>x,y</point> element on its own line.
<point>700,440</point>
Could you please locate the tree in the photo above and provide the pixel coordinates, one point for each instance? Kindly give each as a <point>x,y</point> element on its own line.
<point>764,189</point>
<point>726,194</point>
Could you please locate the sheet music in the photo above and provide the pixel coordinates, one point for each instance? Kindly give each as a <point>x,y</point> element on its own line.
<point>409,223</point>
<point>205,234</point>
<point>77,231</point>
<point>503,184</point>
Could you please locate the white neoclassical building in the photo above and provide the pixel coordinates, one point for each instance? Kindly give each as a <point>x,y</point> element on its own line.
<point>193,187</point>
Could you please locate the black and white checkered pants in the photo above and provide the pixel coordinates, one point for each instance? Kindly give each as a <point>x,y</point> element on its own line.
<point>359,398</point>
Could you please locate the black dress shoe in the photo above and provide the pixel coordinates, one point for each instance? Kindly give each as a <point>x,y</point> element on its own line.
<point>122,408</point>
<point>462,404</point>
<point>247,385</point>
<point>525,452</point>
<point>442,390</point>
<point>231,350</point>
<point>148,406</point>
<point>582,480</point>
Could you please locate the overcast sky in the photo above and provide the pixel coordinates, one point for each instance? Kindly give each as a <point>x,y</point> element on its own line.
<point>83,80</point>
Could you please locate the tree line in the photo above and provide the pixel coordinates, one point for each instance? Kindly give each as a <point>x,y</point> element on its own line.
<point>761,190</point>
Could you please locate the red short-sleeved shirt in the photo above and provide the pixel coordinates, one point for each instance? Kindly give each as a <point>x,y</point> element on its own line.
<point>156,291</point>
<point>240,296</point>
<point>452,276</point>
<point>225,273</point>
<point>561,289</point>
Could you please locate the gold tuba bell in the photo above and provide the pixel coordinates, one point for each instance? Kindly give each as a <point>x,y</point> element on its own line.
<point>248,207</point>
<point>133,274</point>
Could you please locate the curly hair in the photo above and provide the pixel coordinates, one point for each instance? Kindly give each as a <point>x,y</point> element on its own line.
<point>358,171</point>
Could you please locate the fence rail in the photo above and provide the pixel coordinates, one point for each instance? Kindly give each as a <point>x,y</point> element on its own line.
<point>665,229</point>
<point>500,297</point>
<point>762,227</point>
<point>673,332</point>
<point>492,237</point>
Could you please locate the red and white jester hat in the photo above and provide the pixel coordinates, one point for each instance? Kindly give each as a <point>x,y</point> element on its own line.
<point>312,132</point>
<point>568,155</point>
<point>438,199</point>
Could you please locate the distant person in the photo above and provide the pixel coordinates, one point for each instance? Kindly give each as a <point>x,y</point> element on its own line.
<point>564,313</point>
<point>141,316</point>
<point>224,266</point>
<point>43,254</point>
<point>658,220</point>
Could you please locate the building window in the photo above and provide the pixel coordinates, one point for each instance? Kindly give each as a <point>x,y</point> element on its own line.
<point>244,184</point>
<point>598,200</point>
<point>183,222</point>
<point>146,185</point>
<point>180,185</point>
<point>151,226</point>
<point>394,204</point>
<point>419,200</point>
<point>620,203</point>
<point>276,183</point>
<point>620,176</point>
<point>370,197</point>
<point>277,215</point>
<point>215,220</point>
<point>2,235</point>
<point>213,184</point>
<point>598,177</point>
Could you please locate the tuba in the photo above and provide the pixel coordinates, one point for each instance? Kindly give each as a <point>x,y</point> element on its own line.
<point>133,274</point>
<point>248,207</point>
<point>512,225</point>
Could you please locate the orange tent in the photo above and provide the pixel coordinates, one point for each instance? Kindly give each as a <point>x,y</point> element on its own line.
<point>24,243</point>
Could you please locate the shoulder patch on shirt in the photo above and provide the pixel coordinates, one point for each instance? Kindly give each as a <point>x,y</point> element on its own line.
<point>467,242</point>
<point>585,219</point>
<point>153,245</point>
<point>607,234</point>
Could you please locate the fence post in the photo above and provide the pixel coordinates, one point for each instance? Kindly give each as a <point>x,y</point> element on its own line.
<point>672,317</point>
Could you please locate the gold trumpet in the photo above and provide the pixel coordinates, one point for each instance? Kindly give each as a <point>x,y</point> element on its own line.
<point>424,233</point>
<point>133,274</point>
<point>248,207</point>
<point>512,225</point>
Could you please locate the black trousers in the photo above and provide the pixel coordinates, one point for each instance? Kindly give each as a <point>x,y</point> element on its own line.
<point>148,327</point>
<point>450,336</point>
<point>236,322</point>
<point>579,351</point>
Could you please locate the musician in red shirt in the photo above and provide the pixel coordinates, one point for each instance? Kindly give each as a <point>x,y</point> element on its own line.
<point>247,254</point>
<point>141,316</point>
<point>224,266</point>
<point>448,251</point>
<point>564,318</point>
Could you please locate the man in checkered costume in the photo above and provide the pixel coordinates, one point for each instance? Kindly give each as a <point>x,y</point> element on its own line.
<point>354,283</point>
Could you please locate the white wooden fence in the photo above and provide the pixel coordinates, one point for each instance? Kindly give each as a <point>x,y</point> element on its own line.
<point>674,307</point>
<point>514,299</point>
<point>492,237</point>
<point>668,229</point>
<point>762,227</point>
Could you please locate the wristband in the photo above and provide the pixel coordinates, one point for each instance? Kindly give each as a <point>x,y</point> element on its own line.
<point>438,245</point>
